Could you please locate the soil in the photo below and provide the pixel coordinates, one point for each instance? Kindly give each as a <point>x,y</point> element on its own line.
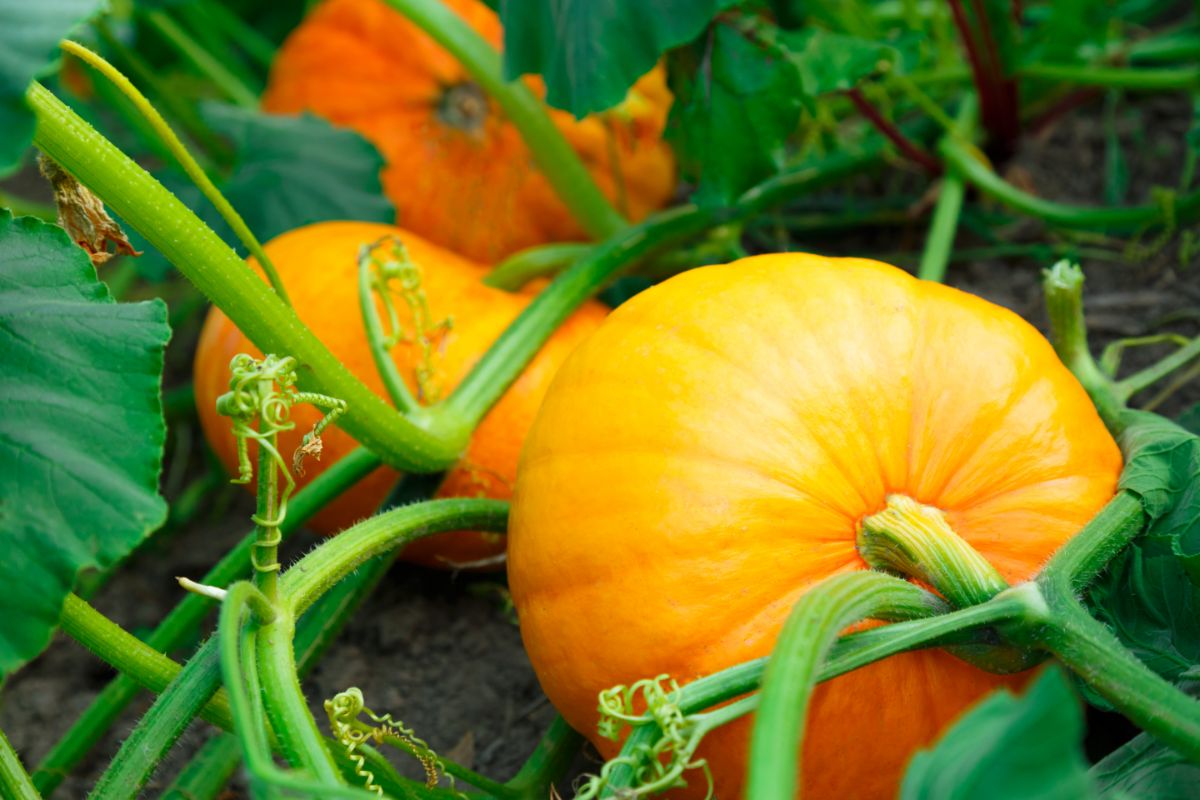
<point>441,652</point>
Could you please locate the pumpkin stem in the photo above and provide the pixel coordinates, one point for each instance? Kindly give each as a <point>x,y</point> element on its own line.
<point>916,540</point>
<point>464,106</point>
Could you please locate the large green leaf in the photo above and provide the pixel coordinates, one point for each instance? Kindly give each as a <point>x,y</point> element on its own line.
<point>591,51</point>
<point>1162,466</point>
<point>1146,769</point>
<point>82,432</point>
<point>830,62</point>
<point>1008,747</point>
<point>29,34</point>
<point>736,103</point>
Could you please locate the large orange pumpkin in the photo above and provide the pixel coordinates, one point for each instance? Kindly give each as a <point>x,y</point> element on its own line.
<point>457,169</point>
<point>319,266</point>
<point>704,458</point>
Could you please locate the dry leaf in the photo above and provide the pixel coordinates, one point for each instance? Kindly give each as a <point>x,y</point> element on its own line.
<point>463,753</point>
<point>82,215</point>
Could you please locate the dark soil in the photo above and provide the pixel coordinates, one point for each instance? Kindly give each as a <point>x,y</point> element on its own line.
<point>441,652</point>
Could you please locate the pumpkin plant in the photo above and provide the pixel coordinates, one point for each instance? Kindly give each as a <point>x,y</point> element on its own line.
<point>756,477</point>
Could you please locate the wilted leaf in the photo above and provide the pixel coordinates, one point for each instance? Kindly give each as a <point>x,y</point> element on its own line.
<point>1008,747</point>
<point>591,51</point>
<point>82,432</point>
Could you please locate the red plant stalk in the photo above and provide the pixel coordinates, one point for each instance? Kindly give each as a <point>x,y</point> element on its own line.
<point>907,146</point>
<point>998,94</point>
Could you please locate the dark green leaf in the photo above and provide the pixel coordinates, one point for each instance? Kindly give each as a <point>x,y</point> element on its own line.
<point>1146,598</point>
<point>591,51</point>
<point>735,106</point>
<point>831,62</point>
<point>1190,420</point>
<point>1146,769</point>
<point>82,432</point>
<point>29,36</point>
<point>1063,29</point>
<point>1008,747</point>
<point>295,170</point>
<point>1162,466</point>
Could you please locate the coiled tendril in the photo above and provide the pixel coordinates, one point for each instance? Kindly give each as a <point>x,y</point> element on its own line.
<point>657,766</point>
<point>397,266</point>
<point>344,710</point>
<point>263,392</point>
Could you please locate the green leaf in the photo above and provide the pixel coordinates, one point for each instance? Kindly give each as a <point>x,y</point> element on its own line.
<point>591,51</point>
<point>1146,769</point>
<point>1007,747</point>
<point>82,433</point>
<point>29,36</point>
<point>831,62</point>
<point>736,103</point>
<point>296,170</point>
<point>1189,420</point>
<point>1162,466</point>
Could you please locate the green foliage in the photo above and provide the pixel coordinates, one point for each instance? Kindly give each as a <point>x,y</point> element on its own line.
<point>288,171</point>
<point>1146,769</point>
<point>591,51</point>
<point>738,96</point>
<point>1006,747</point>
<point>1162,466</point>
<point>29,36</point>
<point>734,109</point>
<point>82,432</point>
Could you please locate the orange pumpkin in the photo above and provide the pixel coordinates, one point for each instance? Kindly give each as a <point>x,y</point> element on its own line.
<point>704,458</point>
<point>457,169</point>
<point>319,266</point>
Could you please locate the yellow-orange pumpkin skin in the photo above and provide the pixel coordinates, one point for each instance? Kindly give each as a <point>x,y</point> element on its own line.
<point>457,169</point>
<point>319,266</point>
<point>703,459</point>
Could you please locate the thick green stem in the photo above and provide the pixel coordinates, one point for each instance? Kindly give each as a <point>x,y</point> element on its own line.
<point>544,259</point>
<point>323,567</point>
<point>549,761</point>
<point>959,157</point>
<point>792,670</point>
<point>1062,286</point>
<point>297,731</point>
<point>230,84</point>
<point>206,775</point>
<point>1085,555</point>
<point>849,653</point>
<point>15,783</point>
<point>181,624</point>
<point>181,154</point>
<point>1184,79</point>
<point>121,649</point>
<point>218,272</point>
<point>1094,652</point>
<point>553,154</point>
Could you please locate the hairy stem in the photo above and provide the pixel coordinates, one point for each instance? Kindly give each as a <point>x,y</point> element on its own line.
<point>218,272</point>
<point>15,782</point>
<point>792,670</point>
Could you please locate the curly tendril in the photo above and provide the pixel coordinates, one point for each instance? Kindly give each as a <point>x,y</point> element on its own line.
<point>656,766</point>
<point>344,710</point>
<point>398,267</point>
<point>263,392</point>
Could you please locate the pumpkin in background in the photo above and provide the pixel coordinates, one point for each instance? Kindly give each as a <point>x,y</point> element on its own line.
<point>319,266</point>
<point>458,171</point>
<point>704,459</point>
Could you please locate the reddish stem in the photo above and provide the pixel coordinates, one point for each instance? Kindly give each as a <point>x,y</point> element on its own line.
<point>997,94</point>
<point>885,126</point>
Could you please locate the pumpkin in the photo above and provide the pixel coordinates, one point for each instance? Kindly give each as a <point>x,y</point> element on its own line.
<point>319,266</point>
<point>705,457</point>
<point>457,170</point>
